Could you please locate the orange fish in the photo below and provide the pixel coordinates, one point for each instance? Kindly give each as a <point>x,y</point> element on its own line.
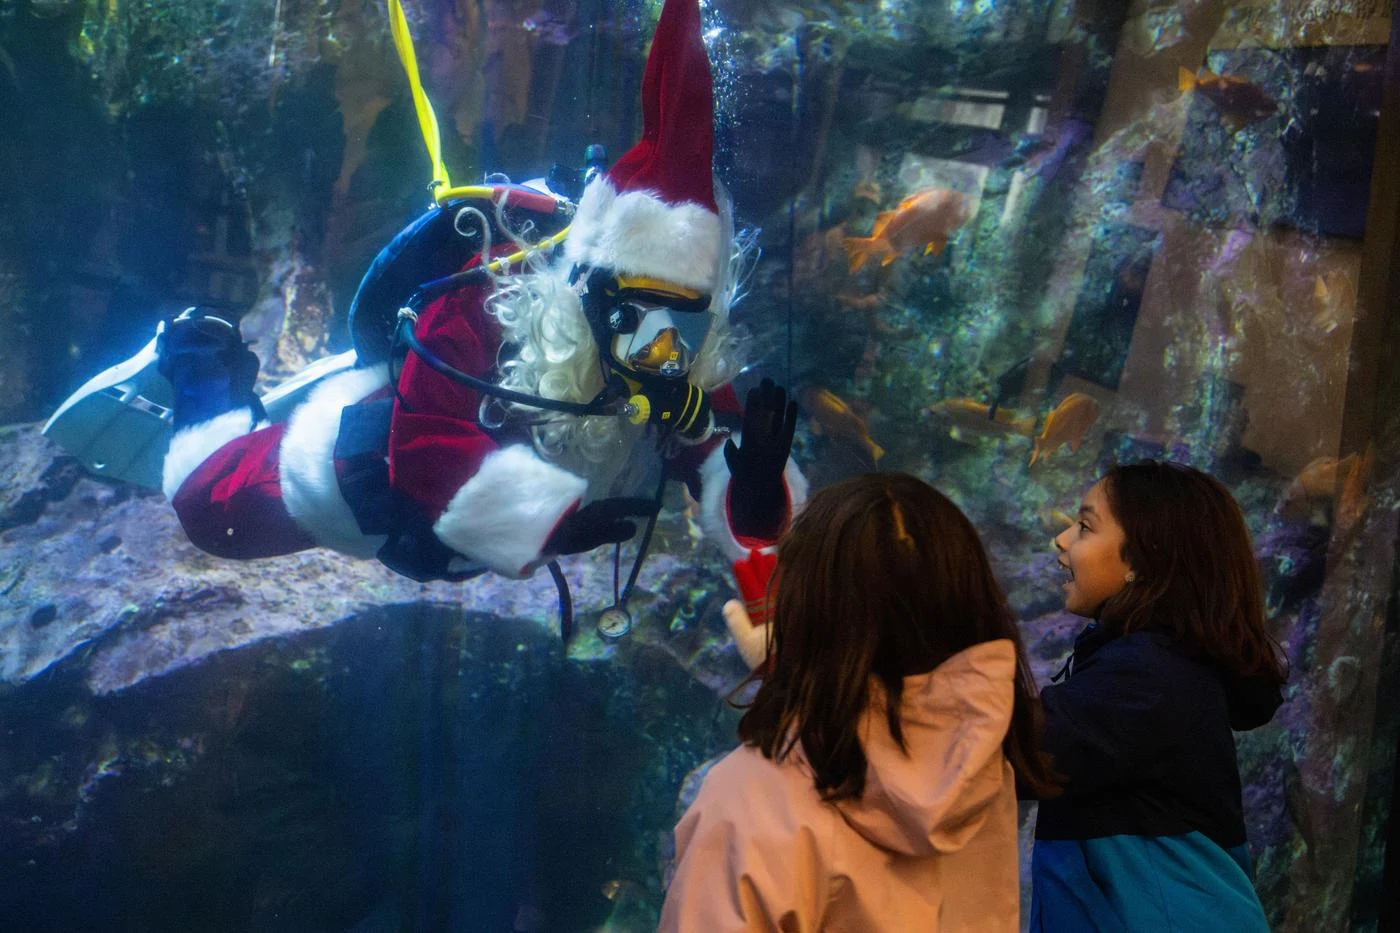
<point>831,415</point>
<point>1318,480</point>
<point>1326,477</point>
<point>1240,100</point>
<point>924,220</point>
<point>1352,501</point>
<point>970,414</point>
<point>1066,424</point>
<point>871,302</point>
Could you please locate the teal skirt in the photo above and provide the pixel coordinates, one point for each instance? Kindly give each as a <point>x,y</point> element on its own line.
<point>1143,884</point>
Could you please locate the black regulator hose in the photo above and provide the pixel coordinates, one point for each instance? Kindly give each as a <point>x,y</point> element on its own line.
<point>403,332</point>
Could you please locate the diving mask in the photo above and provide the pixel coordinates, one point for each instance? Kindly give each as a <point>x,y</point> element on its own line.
<point>656,333</point>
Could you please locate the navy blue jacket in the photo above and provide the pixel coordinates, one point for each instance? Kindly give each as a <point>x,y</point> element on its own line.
<point>1142,733</point>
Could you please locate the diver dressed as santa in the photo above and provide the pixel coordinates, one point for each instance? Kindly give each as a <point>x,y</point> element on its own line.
<point>611,362</point>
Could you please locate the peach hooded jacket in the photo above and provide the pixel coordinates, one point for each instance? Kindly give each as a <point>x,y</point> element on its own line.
<point>929,847</point>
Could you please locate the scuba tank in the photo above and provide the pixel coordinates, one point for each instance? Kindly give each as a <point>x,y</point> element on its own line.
<point>440,242</point>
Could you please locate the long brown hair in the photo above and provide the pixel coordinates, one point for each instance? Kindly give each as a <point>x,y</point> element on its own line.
<point>1195,574</point>
<point>880,576</point>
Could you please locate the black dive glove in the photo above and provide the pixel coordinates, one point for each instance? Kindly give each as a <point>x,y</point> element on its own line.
<point>601,522</point>
<point>757,494</point>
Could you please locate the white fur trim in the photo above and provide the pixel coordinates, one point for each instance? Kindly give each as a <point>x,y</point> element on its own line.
<point>197,443</point>
<point>638,233</point>
<point>504,514</point>
<point>750,639</point>
<point>714,500</point>
<point>310,490</point>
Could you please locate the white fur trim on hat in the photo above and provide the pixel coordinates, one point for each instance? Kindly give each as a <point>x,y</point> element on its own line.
<point>638,233</point>
<point>504,514</point>
<point>310,490</point>
<point>714,500</point>
<point>193,445</point>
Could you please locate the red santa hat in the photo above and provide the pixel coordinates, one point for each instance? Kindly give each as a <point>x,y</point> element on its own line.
<point>653,213</point>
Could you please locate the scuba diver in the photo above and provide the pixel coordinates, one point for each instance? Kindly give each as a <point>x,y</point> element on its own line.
<point>526,406</point>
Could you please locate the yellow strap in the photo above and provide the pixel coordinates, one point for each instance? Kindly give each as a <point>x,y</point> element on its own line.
<point>427,120</point>
<point>656,285</point>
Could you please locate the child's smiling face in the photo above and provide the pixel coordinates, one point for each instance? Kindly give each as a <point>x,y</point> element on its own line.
<point>1092,551</point>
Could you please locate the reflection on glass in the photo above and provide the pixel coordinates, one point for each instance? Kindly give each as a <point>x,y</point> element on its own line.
<point>1003,246</point>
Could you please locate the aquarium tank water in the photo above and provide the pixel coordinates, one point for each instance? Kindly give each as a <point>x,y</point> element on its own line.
<point>998,244</point>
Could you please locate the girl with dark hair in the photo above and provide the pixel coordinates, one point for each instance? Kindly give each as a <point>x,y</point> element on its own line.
<point>1149,833</point>
<point>875,789</point>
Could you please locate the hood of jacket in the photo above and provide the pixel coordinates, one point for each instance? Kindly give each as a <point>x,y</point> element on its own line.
<point>935,797</point>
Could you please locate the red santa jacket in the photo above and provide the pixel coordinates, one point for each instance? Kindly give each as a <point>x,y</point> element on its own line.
<point>492,498</point>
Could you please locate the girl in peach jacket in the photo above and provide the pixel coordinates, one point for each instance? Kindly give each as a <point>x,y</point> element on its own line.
<point>876,786</point>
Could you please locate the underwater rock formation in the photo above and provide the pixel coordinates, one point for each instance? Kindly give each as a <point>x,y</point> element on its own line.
<point>347,742</point>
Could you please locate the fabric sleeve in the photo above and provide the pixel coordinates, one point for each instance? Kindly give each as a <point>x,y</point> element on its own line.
<point>494,504</point>
<point>1106,721</point>
<point>735,874</point>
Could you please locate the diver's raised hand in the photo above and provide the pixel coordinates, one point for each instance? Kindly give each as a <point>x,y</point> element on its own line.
<point>758,502</point>
<point>598,523</point>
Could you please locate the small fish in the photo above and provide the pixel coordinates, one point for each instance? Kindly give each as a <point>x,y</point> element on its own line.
<point>853,302</point>
<point>970,414</point>
<point>1319,478</point>
<point>1056,520</point>
<point>831,415</point>
<point>616,888</point>
<point>1325,306</point>
<point>1066,424</point>
<point>1325,477</point>
<point>1240,100</point>
<point>1352,501</point>
<point>924,220</point>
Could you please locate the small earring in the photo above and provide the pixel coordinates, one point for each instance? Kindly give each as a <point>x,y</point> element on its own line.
<point>1129,577</point>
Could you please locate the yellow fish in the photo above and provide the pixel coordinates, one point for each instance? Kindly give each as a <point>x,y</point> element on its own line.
<point>1056,520</point>
<point>1066,424</point>
<point>1325,305</point>
<point>970,414</point>
<point>831,415</point>
<point>925,220</point>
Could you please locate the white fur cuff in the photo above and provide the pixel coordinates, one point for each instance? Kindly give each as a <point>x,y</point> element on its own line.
<point>310,489</point>
<point>714,500</point>
<point>637,233</point>
<point>504,514</point>
<point>197,443</point>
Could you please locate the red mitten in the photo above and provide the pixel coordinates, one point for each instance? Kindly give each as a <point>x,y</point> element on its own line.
<point>748,621</point>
